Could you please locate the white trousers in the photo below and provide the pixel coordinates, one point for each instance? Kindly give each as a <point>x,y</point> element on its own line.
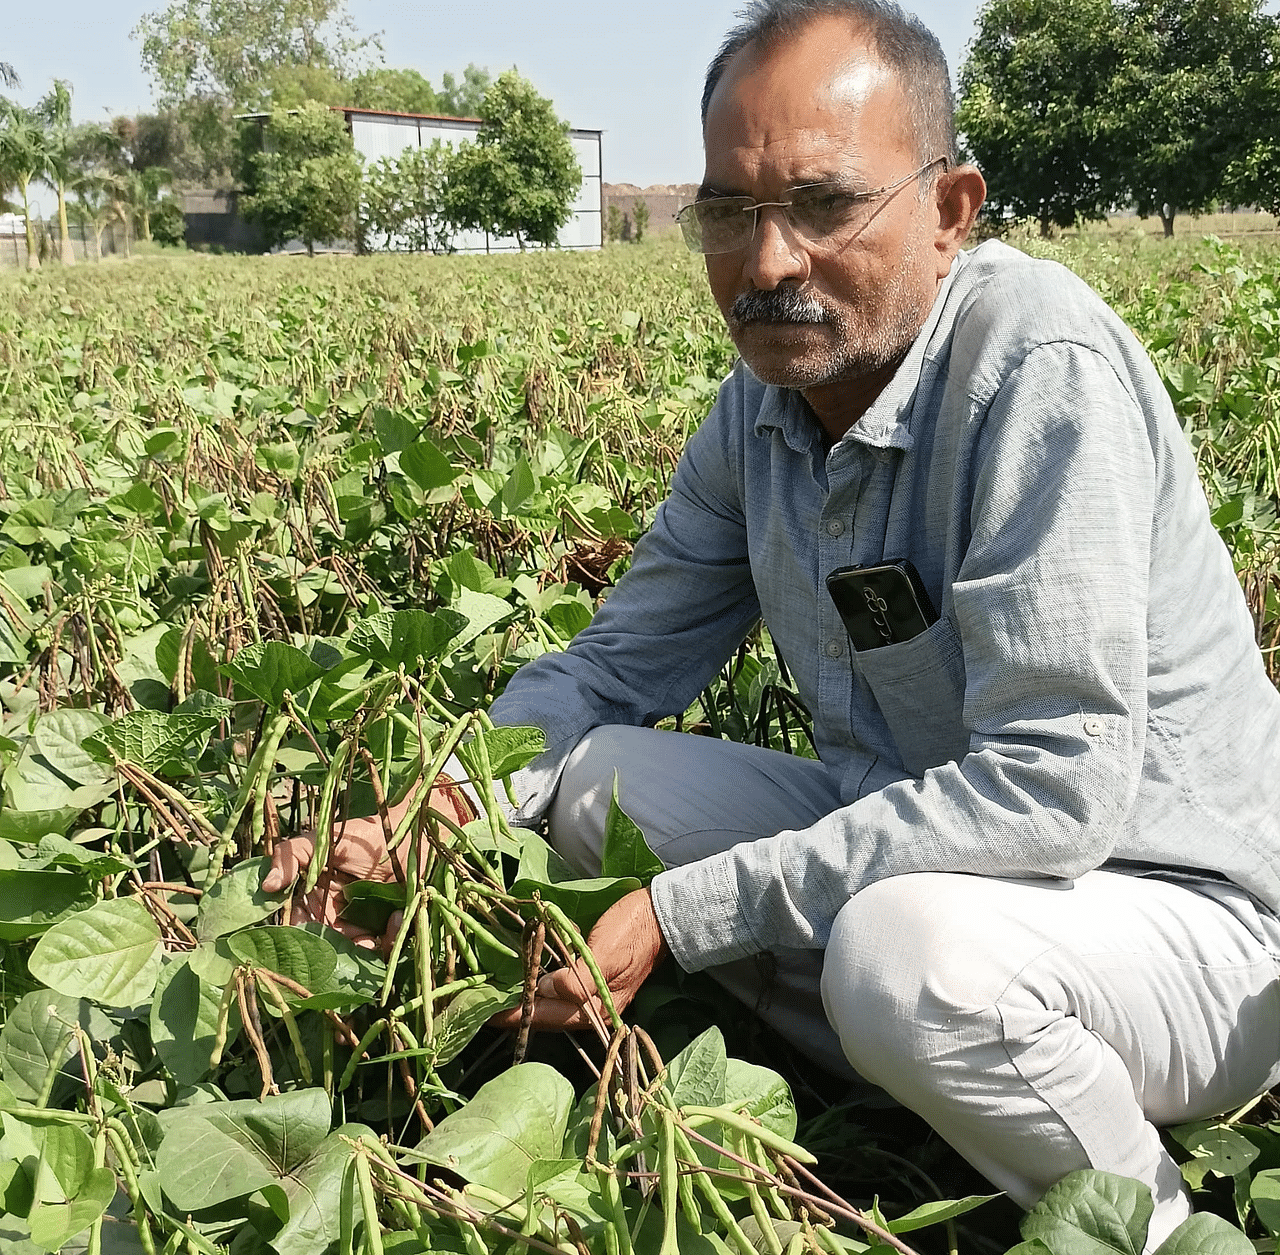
<point>1038,1026</point>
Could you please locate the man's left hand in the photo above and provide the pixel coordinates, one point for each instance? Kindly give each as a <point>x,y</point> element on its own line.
<point>627,943</point>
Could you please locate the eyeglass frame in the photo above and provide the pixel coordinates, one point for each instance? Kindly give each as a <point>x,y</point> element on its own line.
<point>857,198</point>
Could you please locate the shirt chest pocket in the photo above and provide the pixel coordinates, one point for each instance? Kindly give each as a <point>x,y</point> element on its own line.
<point>919,688</point>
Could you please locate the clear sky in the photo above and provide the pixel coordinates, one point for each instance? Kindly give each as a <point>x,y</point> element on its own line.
<point>632,70</point>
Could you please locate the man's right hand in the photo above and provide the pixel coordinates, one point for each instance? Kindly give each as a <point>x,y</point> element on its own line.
<point>358,852</point>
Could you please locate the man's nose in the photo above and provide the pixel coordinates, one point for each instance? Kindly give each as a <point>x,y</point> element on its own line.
<point>776,253</point>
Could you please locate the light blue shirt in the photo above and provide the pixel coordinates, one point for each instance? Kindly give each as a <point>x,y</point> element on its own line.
<point>1091,693</point>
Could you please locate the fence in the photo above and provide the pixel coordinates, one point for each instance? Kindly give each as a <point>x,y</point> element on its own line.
<point>85,243</point>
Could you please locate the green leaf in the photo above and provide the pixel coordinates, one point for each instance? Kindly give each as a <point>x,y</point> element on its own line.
<point>1264,1191</point>
<point>509,749</point>
<point>625,851</point>
<point>480,610</point>
<point>218,1151</point>
<point>465,1016</point>
<point>184,1021</point>
<point>236,900</point>
<point>1091,1213</point>
<point>423,463</point>
<point>696,1076</point>
<point>409,638</point>
<point>271,669</point>
<point>32,901</point>
<point>57,851</point>
<point>302,957</point>
<point>148,738</point>
<point>70,1193</point>
<point>583,900</point>
<point>54,770</point>
<point>515,1119</point>
<point>313,1192</point>
<point>937,1212</point>
<point>762,1094</point>
<point>25,826</point>
<point>1217,1149</point>
<point>521,485</point>
<point>1034,1247</point>
<point>1206,1234</point>
<point>109,953</point>
<point>37,1039</point>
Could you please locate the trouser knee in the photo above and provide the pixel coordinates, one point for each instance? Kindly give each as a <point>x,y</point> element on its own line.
<point>905,967</point>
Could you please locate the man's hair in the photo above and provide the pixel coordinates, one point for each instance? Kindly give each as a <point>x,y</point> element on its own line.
<point>902,42</point>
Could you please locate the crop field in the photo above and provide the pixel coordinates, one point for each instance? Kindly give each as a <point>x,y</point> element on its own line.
<point>273,533</point>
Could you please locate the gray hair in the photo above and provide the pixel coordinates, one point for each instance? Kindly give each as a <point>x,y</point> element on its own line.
<point>902,42</point>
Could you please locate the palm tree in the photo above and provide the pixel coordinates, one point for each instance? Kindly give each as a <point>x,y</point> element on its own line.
<point>9,76</point>
<point>24,155</point>
<point>54,110</point>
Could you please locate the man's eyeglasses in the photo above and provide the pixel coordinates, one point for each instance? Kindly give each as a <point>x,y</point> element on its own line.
<point>822,214</point>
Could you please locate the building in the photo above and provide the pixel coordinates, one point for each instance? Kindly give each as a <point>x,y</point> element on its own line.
<point>213,218</point>
<point>377,135</point>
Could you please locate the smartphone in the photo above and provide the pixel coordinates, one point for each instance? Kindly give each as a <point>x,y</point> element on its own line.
<point>881,604</point>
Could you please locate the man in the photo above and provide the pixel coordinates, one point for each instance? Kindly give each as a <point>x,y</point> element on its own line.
<point>1029,889</point>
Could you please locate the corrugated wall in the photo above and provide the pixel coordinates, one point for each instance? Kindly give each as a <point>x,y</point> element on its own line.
<point>378,135</point>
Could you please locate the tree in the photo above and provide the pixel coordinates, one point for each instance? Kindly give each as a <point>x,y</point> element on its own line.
<point>210,58</point>
<point>520,176</point>
<point>305,182</point>
<point>640,219</point>
<point>463,99</point>
<point>1036,109</point>
<point>24,155</point>
<point>1188,99</point>
<point>1073,107</point>
<point>403,200</point>
<point>391,91</point>
<point>54,110</point>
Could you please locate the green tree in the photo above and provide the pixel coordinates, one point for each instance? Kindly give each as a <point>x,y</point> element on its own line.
<point>391,91</point>
<point>211,58</point>
<point>1073,107</point>
<point>613,224</point>
<point>54,110</point>
<point>1196,92</point>
<point>24,156</point>
<point>1036,107</point>
<point>520,176</point>
<point>403,200</point>
<point>639,219</point>
<point>463,98</point>
<point>305,182</point>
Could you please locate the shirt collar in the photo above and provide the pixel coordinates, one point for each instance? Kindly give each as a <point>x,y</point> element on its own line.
<point>887,424</point>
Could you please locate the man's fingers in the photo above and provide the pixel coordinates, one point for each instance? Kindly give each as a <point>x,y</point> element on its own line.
<point>289,859</point>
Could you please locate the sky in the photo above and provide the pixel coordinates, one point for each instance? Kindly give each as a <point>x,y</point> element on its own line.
<point>632,70</point>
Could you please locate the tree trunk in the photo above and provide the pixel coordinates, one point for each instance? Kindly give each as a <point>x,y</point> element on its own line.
<point>146,224</point>
<point>67,249</point>
<point>98,229</point>
<point>33,255</point>
<point>1167,213</point>
<point>1046,226</point>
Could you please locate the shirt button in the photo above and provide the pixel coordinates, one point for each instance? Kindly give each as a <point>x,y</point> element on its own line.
<point>835,648</point>
<point>835,527</point>
<point>1094,727</point>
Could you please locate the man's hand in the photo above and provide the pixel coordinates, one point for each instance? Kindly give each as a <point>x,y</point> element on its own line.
<point>627,943</point>
<point>358,852</point>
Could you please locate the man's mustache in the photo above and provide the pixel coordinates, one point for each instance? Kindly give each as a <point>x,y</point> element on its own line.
<point>777,305</point>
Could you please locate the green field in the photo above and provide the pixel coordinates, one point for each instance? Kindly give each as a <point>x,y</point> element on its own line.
<point>275,532</point>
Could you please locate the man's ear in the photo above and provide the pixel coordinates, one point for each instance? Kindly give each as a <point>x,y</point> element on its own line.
<point>960,193</point>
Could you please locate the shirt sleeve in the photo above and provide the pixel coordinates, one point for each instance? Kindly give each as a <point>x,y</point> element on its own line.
<point>686,603</point>
<point>1049,605</point>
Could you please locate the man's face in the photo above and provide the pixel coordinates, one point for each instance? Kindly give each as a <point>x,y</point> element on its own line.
<point>819,107</point>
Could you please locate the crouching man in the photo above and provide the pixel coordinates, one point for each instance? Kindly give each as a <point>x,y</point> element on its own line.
<point>1029,888</point>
